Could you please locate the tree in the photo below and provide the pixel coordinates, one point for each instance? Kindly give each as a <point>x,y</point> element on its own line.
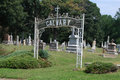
<point>66,6</point>
<point>12,15</point>
<point>116,28</point>
<point>117,15</point>
<point>106,23</point>
<point>92,20</point>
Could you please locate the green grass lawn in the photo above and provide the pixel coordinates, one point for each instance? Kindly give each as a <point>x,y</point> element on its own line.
<point>62,65</point>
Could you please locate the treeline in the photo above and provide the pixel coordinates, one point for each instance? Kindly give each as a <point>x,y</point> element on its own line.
<point>17,17</point>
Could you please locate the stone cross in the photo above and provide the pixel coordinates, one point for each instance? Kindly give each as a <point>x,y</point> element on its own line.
<point>56,9</point>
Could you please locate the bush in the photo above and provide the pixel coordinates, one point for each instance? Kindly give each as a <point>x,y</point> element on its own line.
<point>22,61</point>
<point>99,68</point>
<point>43,54</point>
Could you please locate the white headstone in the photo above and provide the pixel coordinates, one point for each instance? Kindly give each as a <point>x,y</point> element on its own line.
<point>24,42</point>
<point>102,44</point>
<point>17,41</point>
<point>29,42</point>
<point>84,44</point>
<point>107,42</point>
<point>88,45</point>
<point>11,39</point>
<point>94,45</point>
<point>63,46</point>
<point>50,40</point>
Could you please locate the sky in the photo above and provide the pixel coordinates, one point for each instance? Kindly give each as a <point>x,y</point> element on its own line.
<point>108,7</point>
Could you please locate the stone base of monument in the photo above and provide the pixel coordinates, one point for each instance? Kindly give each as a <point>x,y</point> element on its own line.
<point>72,49</point>
<point>109,55</point>
<point>7,42</point>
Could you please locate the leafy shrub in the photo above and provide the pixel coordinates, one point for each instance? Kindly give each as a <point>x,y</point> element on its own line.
<point>2,50</point>
<point>43,54</point>
<point>99,68</point>
<point>22,60</point>
<point>114,68</point>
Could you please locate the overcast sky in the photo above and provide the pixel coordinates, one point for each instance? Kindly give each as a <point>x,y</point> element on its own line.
<point>108,7</point>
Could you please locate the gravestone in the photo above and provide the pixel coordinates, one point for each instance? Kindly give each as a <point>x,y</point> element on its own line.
<point>118,46</point>
<point>107,42</point>
<point>29,41</point>
<point>111,48</point>
<point>84,44</point>
<point>88,45</point>
<point>53,46</point>
<point>73,42</point>
<point>24,42</point>
<point>42,45</point>
<point>63,46</point>
<point>17,41</point>
<point>50,40</point>
<point>21,41</point>
<point>11,39</point>
<point>102,44</point>
<point>6,39</point>
<point>93,47</point>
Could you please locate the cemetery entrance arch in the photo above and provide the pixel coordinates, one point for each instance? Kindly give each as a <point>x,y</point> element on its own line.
<point>61,21</point>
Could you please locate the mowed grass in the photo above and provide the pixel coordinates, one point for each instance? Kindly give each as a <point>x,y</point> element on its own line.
<point>62,65</point>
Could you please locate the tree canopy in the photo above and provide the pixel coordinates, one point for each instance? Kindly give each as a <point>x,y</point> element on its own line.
<point>17,17</point>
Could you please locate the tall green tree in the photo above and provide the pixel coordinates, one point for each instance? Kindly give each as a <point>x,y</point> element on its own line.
<point>116,28</point>
<point>12,15</point>
<point>92,22</point>
<point>106,23</point>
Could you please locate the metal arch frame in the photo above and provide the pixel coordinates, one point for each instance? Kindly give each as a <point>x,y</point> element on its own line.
<point>80,40</point>
<point>80,32</point>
